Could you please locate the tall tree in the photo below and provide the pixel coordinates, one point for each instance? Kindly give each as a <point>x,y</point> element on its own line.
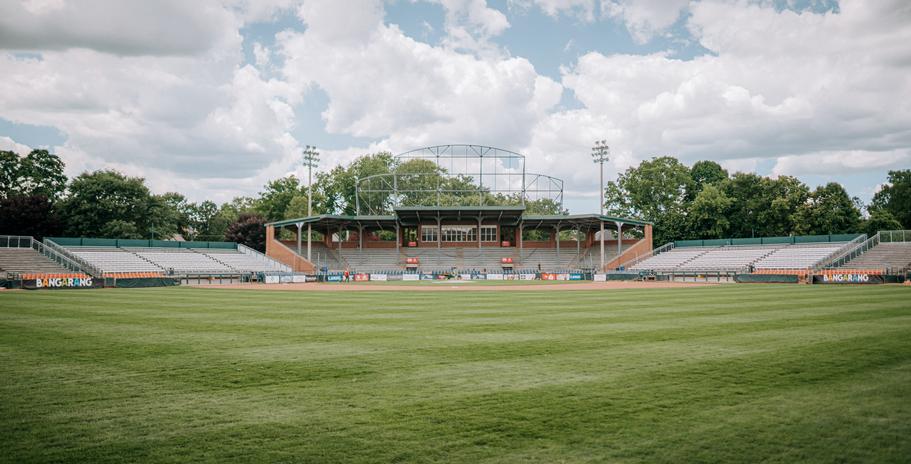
<point>274,200</point>
<point>895,197</point>
<point>828,210</point>
<point>880,219</point>
<point>708,214</point>
<point>101,197</point>
<point>38,173</point>
<point>705,173</point>
<point>655,191</point>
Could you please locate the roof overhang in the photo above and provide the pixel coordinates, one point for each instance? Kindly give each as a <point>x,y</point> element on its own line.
<point>418,214</point>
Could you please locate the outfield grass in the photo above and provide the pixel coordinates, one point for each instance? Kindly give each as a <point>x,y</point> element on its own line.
<point>733,373</point>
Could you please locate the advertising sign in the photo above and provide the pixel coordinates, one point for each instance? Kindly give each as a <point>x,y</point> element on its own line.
<point>411,277</point>
<point>575,276</point>
<point>286,279</point>
<point>427,277</point>
<point>527,276</point>
<point>334,278</point>
<point>271,279</point>
<point>600,277</point>
<point>849,278</point>
<point>548,276</point>
<point>62,283</point>
<point>361,277</point>
<point>298,279</point>
<point>494,276</point>
<point>379,277</point>
<point>479,277</point>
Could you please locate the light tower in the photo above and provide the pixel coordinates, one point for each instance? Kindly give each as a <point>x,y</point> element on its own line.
<point>311,160</point>
<point>600,154</point>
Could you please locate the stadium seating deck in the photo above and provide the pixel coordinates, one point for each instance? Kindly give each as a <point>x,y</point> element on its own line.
<point>894,256</point>
<point>739,258</point>
<point>27,260</point>
<point>180,261</point>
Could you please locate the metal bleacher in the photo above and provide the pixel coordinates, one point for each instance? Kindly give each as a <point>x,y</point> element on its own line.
<point>739,258</point>
<point>173,260</point>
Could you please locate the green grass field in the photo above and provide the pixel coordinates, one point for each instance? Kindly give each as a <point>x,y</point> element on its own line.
<point>733,373</point>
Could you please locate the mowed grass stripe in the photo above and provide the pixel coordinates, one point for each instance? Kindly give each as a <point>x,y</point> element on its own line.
<point>737,373</point>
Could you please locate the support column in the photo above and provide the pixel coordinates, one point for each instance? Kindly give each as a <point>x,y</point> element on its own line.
<point>521,228</point>
<point>360,238</point>
<point>439,234</point>
<point>299,226</point>
<point>601,239</point>
<point>398,238</point>
<point>479,232</point>
<point>309,240</point>
<point>619,238</point>
<point>557,239</point>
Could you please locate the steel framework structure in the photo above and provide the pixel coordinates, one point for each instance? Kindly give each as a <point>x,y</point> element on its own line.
<point>456,175</point>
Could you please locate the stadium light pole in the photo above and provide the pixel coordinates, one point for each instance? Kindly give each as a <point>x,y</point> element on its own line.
<point>311,160</point>
<point>600,154</point>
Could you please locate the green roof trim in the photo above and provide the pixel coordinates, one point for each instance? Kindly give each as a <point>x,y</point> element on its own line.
<point>570,218</point>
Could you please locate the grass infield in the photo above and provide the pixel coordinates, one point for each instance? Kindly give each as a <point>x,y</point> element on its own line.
<point>734,373</point>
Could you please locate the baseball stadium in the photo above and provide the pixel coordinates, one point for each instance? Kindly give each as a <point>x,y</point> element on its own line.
<point>460,315</point>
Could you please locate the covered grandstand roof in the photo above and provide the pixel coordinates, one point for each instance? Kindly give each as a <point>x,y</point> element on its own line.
<point>507,215</point>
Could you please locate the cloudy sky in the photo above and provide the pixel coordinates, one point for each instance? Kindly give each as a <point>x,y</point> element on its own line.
<point>214,97</point>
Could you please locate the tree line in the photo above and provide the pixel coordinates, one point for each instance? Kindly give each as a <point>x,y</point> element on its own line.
<point>702,201</point>
<point>705,201</point>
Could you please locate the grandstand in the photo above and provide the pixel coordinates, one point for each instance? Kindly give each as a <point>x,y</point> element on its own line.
<point>887,250</point>
<point>111,257</point>
<point>745,255</point>
<point>440,223</point>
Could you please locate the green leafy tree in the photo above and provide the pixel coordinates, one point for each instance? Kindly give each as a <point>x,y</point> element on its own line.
<point>705,173</point>
<point>274,200</point>
<point>880,219</point>
<point>38,173</point>
<point>102,197</point>
<point>895,197</point>
<point>708,213</point>
<point>828,210</point>
<point>655,191</point>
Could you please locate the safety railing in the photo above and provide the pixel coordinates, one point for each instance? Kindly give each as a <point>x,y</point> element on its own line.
<point>261,257</point>
<point>52,248</point>
<point>848,255</point>
<point>894,236</point>
<point>824,262</point>
<point>58,257</point>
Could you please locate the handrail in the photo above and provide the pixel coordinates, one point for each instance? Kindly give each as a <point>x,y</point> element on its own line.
<point>845,254</point>
<point>251,252</point>
<point>857,241</point>
<point>63,259</point>
<point>891,236</point>
<point>88,268</point>
<point>662,249</point>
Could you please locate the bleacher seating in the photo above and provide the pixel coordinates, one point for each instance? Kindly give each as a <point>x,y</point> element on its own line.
<point>798,256</point>
<point>894,256</point>
<point>165,260</point>
<point>27,260</point>
<point>243,262</point>
<point>182,261</point>
<point>728,258</point>
<point>739,258</point>
<point>113,260</point>
<point>670,260</point>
